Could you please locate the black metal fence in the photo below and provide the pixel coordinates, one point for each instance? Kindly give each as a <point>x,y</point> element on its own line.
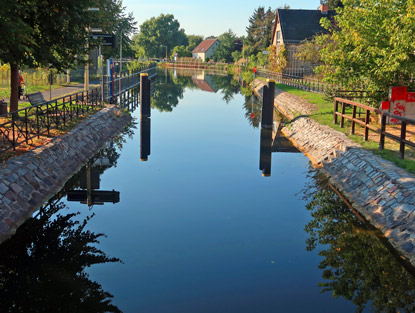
<point>26,125</point>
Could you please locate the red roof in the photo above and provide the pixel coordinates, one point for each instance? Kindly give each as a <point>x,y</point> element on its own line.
<point>204,46</point>
<point>202,84</point>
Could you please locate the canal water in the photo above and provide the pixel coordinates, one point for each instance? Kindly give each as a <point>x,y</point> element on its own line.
<point>175,215</point>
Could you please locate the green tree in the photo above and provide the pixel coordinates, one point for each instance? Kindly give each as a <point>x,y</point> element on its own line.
<point>30,38</point>
<point>259,31</point>
<point>51,33</point>
<point>333,4</point>
<point>223,51</point>
<point>181,51</point>
<point>370,45</point>
<point>194,41</point>
<point>157,33</point>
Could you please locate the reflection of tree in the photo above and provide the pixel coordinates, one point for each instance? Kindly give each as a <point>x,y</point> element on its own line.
<point>168,91</point>
<point>253,105</point>
<point>227,85</point>
<point>356,264</point>
<point>42,266</point>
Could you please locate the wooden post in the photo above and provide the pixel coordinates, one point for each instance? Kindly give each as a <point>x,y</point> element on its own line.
<point>336,108</point>
<point>353,122</point>
<point>342,116</point>
<point>402,143</point>
<point>268,104</point>
<point>145,110</point>
<point>382,132</point>
<point>367,120</point>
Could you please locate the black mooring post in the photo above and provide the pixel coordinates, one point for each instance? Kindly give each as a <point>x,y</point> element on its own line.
<point>145,110</point>
<point>145,138</point>
<point>265,152</point>
<point>268,104</point>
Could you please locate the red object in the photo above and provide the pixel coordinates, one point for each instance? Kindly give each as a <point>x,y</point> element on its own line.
<point>21,81</point>
<point>252,115</point>
<point>254,69</point>
<point>385,105</point>
<point>398,93</point>
<point>410,97</point>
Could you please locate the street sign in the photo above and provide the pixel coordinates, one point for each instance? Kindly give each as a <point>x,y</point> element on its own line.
<point>106,39</point>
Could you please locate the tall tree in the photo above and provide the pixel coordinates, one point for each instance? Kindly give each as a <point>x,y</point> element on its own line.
<point>371,45</point>
<point>49,33</point>
<point>158,33</point>
<point>259,31</point>
<point>223,52</point>
<point>194,41</point>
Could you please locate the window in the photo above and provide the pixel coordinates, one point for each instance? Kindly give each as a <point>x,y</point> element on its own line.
<point>278,36</point>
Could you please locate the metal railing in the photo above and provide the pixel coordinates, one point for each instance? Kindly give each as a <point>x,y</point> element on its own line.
<point>25,125</point>
<point>365,123</point>
<point>308,84</point>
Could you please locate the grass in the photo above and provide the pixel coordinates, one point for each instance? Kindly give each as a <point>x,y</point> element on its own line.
<point>324,116</point>
<point>5,90</point>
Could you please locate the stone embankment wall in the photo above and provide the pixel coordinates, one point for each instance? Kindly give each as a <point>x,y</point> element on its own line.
<point>28,181</point>
<point>379,190</point>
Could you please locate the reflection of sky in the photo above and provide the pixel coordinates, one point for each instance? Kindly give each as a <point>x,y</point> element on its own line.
<point>199,228</point>
<point>210,17</point>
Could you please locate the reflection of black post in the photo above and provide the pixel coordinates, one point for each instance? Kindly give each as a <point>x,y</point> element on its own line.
<point>145,138</point>
<point>268,104</point>
<point>265,152</point>
<point>144,95</point>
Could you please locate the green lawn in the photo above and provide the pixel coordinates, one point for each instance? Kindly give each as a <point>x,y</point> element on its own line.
<point>5,90</point>
<point>324,116</point>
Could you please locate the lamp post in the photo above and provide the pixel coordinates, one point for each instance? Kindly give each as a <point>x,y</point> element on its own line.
<point>86,74</point>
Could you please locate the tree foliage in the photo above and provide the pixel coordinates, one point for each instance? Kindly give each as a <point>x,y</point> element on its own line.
<point>223,51</point>
<point>52,33</point>
<point>194,41</point>
<point>259,31</point>
<point>157,33</point>
<point>370,45</point>
<point>356,264</point>
<point>42,268</point>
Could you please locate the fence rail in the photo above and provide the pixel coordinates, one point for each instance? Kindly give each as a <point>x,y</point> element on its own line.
<point>365,123</point>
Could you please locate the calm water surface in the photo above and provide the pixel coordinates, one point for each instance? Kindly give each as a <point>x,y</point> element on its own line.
<point>199,229</point>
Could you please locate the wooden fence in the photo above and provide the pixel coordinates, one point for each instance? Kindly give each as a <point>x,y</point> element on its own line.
<point>365,123</point>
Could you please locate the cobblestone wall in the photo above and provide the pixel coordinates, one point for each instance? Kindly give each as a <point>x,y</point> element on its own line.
<point>378,189</point>
<point>28,181</point>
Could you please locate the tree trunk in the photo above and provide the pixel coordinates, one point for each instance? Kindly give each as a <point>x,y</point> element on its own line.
<point>14,87</point>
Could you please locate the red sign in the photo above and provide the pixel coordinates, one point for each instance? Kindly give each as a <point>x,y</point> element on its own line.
<point>385,105</point>
<point>254,69</point>
<point>410,97</point>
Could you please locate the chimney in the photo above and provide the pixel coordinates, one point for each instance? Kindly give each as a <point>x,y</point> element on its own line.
<point>324,8</point>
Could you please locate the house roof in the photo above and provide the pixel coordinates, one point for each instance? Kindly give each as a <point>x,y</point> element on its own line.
<point>204,46</point>
<point>203,85</point>
<point>298,25</point>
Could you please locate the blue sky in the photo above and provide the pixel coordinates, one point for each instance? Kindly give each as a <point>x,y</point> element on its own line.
<point>212,17</point>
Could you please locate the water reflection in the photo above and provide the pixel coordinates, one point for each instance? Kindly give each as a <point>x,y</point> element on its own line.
<point>358,264</point>
<point>272,141</point>
<point>145,138</point>
<point>42,267</point>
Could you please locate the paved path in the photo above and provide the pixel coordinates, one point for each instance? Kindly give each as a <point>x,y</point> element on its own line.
<point>58,92</point>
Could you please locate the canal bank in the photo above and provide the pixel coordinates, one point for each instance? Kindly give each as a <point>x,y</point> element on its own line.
<point>28,181</point>
<point>382,192</point>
